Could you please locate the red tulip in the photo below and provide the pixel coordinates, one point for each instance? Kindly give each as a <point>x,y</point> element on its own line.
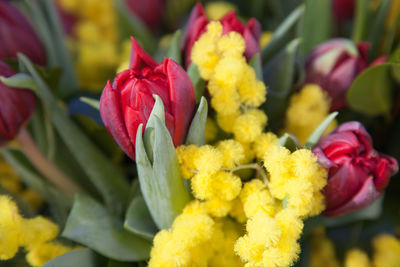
<point>197,26</point>
<point>334,65</point>
<point>16,107</point>
<point>128,102</point>
<point>343,9</point>
<point>357,173</point>
<point>18,36</point>
<point>149,11</point>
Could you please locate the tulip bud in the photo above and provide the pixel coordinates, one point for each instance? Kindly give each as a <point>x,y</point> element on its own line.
<point>18,36</point>
<point>16,107</point>
<point>357,173</point>
<point>128,101</point>
<point>149,11</point>
<point>334,65</point>
<point>197,25</point>
<point>343,10</point>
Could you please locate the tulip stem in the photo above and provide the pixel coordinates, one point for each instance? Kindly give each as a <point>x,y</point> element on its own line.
<point>255,166</point>
<point>45,166</point>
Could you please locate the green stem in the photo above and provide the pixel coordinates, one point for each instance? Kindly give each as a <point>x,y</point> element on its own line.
<point>255,166</point>
<point>45,166</point>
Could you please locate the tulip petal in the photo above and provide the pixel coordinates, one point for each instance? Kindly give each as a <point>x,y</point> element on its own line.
<point>17,108</point>
<point>111,115</point>
<point>364,197</point>
<point>343,184</point>
<point>357,128</point>
<point>386,167</point>
<point>230,22</point>
<point>15,33</point>
<point>340,81</point>
<point>139,57</point>
<point>183,99</point>
<point>252,44</point>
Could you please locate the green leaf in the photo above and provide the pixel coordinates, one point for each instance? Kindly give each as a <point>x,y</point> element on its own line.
<point>107,178</point>
<point>174,48</point>
<point>46,20</point>
<point>283,34</point>
<point>94,103</point>
<point>317,24</point>
<point>196,133</point>
<point>198,83</point>
<point>371,92</point>
<point>289,141</point>
<point>255,63</point>
<point>20,81</point>
<point>90,224</point>
<point>131,25</point>
<point>378,27</point>
<point>78,257</point>
<point>319,131</point>
<point>371,212</point>
<point>138,219</point>
<point>149,134</point>
<point>279,76</point>
<point>161,182</point>
<point>361,19</point>
<point>59,203</point>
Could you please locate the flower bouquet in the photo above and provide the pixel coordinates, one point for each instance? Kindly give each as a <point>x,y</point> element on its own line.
<point>170,133</point>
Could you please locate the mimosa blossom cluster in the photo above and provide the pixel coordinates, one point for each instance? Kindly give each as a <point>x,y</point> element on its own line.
<point>36,235</point>
<point>245,182</point>
<point>385,252</point>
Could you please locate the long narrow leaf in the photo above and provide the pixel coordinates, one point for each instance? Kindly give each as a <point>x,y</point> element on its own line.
<point>103,174</point>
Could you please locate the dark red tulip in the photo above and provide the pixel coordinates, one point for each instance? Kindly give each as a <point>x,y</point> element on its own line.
<point>16,107</point>
<point>334,65</point>
<point>149,11</point>
<point>357,173</point>
<point>128,101</point>
<point>197,25</point>
<point>343,10</point>
<point>18,36</point>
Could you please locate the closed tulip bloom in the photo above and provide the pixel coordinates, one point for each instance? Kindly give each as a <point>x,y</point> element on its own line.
<point>149,11</point>
<point>16,107</point>
<point>357,173</point>
<point>334,65</point>
<point>343,10</point>
<point>18,36</point>
<point>128,101</point>
<point>197,25</point>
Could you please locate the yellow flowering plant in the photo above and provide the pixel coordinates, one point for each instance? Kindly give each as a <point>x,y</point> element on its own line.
<point>219,144</point>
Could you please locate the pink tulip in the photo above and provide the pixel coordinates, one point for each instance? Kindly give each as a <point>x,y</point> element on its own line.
<point>334,65</point>
<point>128,101</point>
<point>16,107</point>
<point>149,11</point>
<point>18,36</point>
<point>358,174</point>
<point>343,9</point>
<point>197,25</point>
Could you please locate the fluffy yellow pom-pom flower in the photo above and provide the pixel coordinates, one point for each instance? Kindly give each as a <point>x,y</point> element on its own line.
<point>247,128</point>
<point>356,258</point>
<point>232,153</point>
<point>45,252</point>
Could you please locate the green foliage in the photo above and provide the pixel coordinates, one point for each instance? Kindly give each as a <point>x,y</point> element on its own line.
<point>138,219</point>
<point>160,180</point>
<point>372,91</point>
<point>316,24</point>
<point>314,137</point>
<point>198,82</point>
<point>90,224</point>
<point>79,257</point>
<point>196,133</point>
